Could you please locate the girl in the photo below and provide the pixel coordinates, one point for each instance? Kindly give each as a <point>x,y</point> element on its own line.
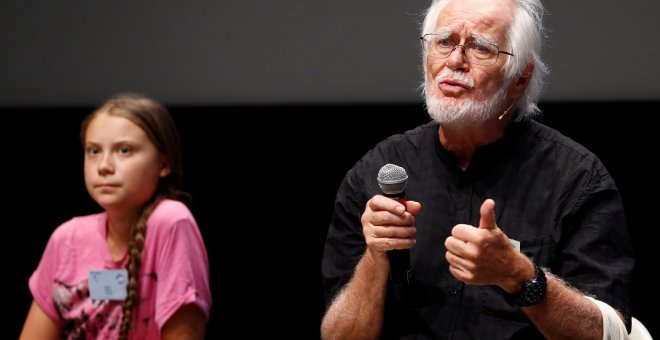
<point>138,270</point>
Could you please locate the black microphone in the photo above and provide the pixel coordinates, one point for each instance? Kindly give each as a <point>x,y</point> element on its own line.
<point>392,180</point>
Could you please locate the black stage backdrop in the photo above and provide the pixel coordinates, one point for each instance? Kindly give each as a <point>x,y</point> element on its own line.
<point>263,180</point>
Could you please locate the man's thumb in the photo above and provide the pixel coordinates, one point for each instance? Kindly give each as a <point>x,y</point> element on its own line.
<point>487,212</point>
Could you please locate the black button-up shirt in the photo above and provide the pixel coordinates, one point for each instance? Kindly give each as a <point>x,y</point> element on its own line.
<point>551,194</point>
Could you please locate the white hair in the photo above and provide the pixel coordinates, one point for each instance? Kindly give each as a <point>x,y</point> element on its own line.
<point>525,37</point>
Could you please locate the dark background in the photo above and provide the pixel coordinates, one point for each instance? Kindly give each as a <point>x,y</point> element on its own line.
<point>262,52</point>
<point>263,179</point>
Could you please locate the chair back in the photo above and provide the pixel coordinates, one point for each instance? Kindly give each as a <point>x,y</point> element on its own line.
<point>638,331</point>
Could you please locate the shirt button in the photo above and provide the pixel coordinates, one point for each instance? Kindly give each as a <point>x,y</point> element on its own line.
<point>453,291</point>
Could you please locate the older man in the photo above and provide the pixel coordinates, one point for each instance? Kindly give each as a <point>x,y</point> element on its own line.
<point>522,233</point>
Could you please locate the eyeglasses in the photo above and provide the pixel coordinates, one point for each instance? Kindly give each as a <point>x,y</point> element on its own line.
<point>476,53</point>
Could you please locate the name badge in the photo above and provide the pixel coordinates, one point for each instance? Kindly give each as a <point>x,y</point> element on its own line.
<point>515,244</point>
<point>108,284</point>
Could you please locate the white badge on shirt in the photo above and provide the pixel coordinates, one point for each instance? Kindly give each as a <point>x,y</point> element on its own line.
<point>108,284</point>
<point>515,244</point>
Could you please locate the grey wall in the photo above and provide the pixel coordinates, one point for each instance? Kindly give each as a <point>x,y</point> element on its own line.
<point>278,52</point>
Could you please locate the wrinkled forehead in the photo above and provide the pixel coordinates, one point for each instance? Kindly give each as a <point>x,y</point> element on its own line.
<point>469,18</point>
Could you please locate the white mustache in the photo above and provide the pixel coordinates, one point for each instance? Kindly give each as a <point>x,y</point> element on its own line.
<point>456,76</point>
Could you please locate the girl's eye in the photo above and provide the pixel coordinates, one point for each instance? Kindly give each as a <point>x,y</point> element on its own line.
<point>125,149</point>
<point>92,150</point>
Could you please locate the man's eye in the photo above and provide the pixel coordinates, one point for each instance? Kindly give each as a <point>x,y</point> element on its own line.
<point>445,42</point>
<point>482,48</point>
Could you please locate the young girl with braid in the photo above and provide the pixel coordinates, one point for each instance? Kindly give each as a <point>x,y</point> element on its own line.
<point>139,269</point>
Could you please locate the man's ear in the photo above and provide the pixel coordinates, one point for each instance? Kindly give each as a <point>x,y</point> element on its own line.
<point>520,85</point>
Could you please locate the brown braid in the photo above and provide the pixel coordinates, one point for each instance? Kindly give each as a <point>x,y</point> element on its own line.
<point>135,246</point>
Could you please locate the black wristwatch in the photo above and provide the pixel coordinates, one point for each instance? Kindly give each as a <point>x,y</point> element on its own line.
<point>532,291</point>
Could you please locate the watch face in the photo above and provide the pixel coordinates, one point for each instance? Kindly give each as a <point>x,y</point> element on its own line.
<point>532,291</point>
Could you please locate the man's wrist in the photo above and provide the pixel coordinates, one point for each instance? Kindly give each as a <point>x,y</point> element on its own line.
<point>519,276</point>
<point>532,291</point>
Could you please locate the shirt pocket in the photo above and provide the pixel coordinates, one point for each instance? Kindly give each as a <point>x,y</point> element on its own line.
<point>540,250</point>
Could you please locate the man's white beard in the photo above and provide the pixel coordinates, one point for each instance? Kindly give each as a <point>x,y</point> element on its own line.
<point>460,112</point>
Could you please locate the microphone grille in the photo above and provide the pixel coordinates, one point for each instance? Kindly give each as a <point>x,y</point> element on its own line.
<point>392,179</point>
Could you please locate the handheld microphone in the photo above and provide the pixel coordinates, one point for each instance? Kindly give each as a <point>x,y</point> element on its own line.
<point>392,181</point>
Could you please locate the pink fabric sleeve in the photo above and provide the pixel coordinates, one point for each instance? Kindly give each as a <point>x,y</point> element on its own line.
<point>41,281</point>
<point>184,271</point>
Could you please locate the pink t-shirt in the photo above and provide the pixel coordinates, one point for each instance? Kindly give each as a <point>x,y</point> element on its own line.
<point>174,272</point>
